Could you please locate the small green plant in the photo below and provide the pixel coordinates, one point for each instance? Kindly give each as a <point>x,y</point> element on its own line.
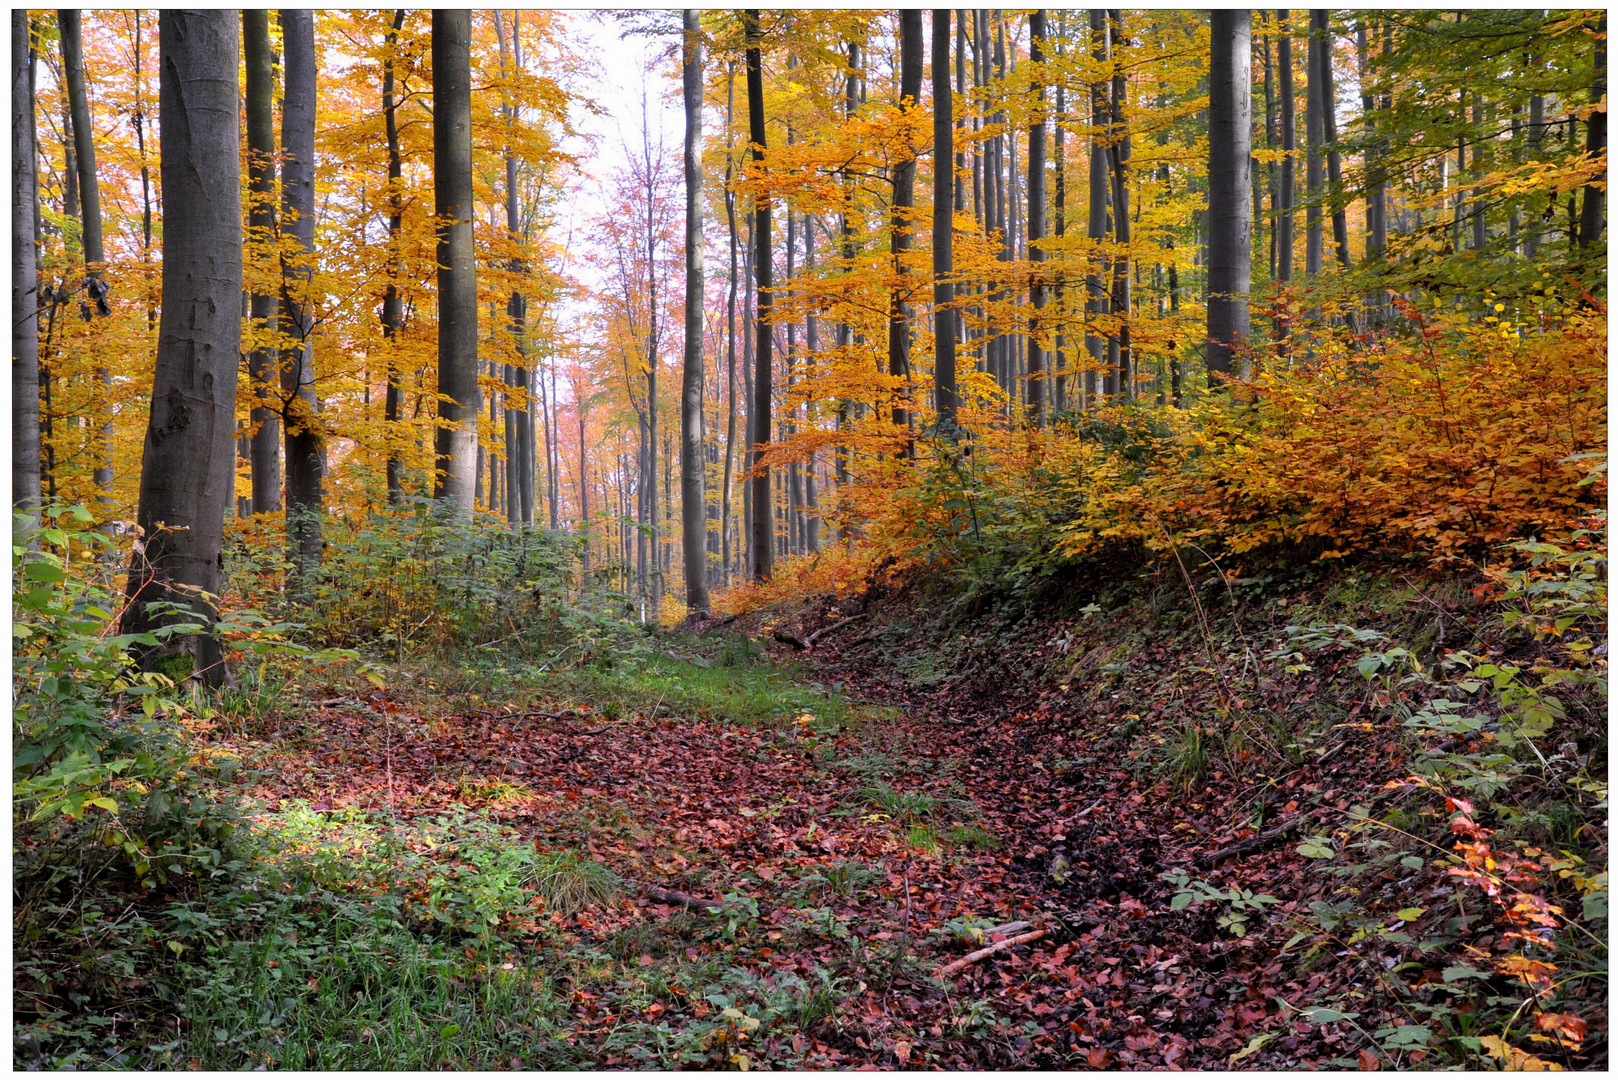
<point>569,882</point>
<point>1238,905</point>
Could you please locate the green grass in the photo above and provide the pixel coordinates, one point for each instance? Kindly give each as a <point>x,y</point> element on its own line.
<point>750,694</point>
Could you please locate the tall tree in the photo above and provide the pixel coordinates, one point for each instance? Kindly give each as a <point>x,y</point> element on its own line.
<point>730,332</point>
<point>904,200</point>
<point>1118,159</point>
<point>1321,30</point>
<point>188,473</point>
<point>1593,213</point>
<point>392,301</point>
<point>1100,117</point>
<point>24,278</point>
<point>456,444</point>
<point>1036,217</point>
<point>1315,132</point>
<point>519,426</point>
<point>95,252</point>
<point>1230,138</point>
<point>1289,144</point>
<point>693,496</point>
<point>264,448</point>
<point>762,525</point>
<point>305,437</point>
<point>944,183</point>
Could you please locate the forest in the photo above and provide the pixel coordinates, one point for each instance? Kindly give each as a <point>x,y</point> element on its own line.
<point>805,538</point>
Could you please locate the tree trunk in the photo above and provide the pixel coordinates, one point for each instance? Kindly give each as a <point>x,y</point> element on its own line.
<point>263,362</point>
<point>1118,155</point>
<point>94,302</point>
<point>1328,113</point>
<point>188,469</point>
<point>1059,215</point>
<point>1289,145</point>
<point>1592,216</point>
<point>725,491</point>
<point>902,230</point>
<point>1100,116</point>
<point>515,376</point>
<point>456,442</point>
<point>1269,144</point>
<point>1229,149</point>
<point>693,497</point>
<point>305,439</point>
<point>25,476</point>
<point>945,398</point>
<point>392,302</point>
<point>1036,219</point>
<point>1315,125</point>
<point>763,520</point>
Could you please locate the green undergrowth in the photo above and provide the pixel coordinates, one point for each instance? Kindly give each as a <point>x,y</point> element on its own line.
<point>354,941</point>
<point>731,679</point>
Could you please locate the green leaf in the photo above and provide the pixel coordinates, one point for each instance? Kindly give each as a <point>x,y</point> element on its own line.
<point>1181,901</point>
<point>44,571</point>
<point>1412,862</point>
<point>1254,1045</point>
<point>105,803</point>
<point>1319,1014</point>
<point>1462,971</point>
<point>1409,914</point>
<point>448,1030</point>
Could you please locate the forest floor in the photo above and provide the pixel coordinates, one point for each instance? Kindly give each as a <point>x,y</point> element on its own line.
<point>846,821</point>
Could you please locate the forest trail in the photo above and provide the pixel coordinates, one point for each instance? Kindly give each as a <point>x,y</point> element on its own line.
<point>867,850</point>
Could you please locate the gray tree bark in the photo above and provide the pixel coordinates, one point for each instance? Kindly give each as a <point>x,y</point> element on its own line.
<point>392,302</point>
<point>1321,31</point>
<point>95,255</point>
<point>25,447</point>
<point>188,469</point>
<point>305,435</point>
<point>456,444</point>
<point>762,524</point>
<point>946,400</point>
<point>902,231</point>
<point>264,448</point>
<point>1289,145</point>
<point>693,493</point>
<point>1315,132</point>
<point>1229,148</point>
<point>1036,219</point>
<point>1593,212</point>
<point>1100,117</point>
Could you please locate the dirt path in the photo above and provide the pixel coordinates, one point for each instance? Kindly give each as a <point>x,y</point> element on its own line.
<point>873,854</point>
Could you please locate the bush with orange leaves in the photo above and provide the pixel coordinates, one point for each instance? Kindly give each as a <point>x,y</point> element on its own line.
<point>1445,439</point>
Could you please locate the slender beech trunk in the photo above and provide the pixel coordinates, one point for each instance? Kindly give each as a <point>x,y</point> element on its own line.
<point>1059,216</point>
<point>25,475</point>
<point>95,256</point>
<point>693,497</point>
<point>456,443</point>
<point>515,376</point>
<point>138,119</point>
<point>1230,136</point>
<point>1321,19</point>
<point>1269,144</point>
<point>944,183</point>
<point>1593,213</point>
<point>188,468</point>
<point>1315,130</point>
<point>392,302</point>
<point>263,363</point>
<point>1036,219</point>
<point>305,440</point>
<point>1289,146</point>
<point>811,343</point>
<point>763,520</point>
<point>902,229</point>
<point>725,490</point>
<point>1118,156</point>
<point>1100,116</point>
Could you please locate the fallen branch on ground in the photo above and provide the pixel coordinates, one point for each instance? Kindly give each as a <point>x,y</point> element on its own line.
<point>1000,946</point>
<point>669,896</point>
<point>838,625</point>
<point>1253,844</point>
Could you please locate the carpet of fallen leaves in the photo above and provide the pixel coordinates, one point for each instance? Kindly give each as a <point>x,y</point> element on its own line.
<point>1083,834</point>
